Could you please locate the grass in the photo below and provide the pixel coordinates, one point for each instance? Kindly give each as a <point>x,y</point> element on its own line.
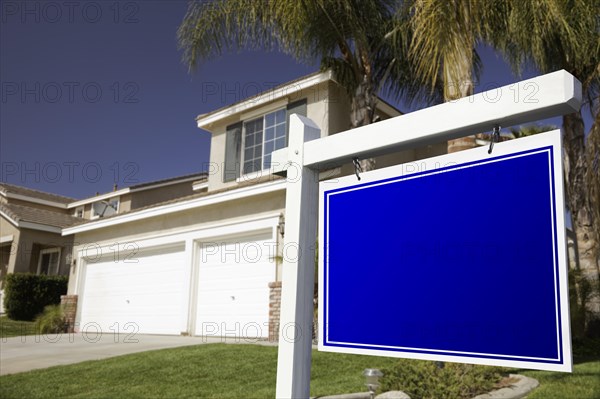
<point>11,328</point>
<point>203,371</point>
<point>242,371</point>
<point>584,383</point>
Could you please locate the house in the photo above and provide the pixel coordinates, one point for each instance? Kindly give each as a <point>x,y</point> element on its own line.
<point>31,221</point>
<point>207,264</point>
<point>31,224</point>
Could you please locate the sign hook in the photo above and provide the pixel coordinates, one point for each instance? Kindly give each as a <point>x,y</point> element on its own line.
<point>495,138</point>
<point>357,168</point>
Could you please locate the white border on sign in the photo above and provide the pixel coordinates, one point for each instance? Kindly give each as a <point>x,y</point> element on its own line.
<point>504,149</point>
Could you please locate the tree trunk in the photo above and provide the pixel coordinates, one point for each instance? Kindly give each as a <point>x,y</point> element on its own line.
<point>362,113</point>
<point>454,91</point>
<point>580,204</point>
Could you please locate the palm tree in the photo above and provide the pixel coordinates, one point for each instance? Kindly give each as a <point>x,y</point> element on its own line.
<point>560,34</point>
<point>350,37</point>
<point>444,36</point>
<point>530,130</point>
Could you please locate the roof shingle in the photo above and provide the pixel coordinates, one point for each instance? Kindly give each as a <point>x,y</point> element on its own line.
<point>40,216</point>
<point>10,188</point>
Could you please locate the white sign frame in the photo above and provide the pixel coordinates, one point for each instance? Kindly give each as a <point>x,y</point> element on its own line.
<point>445,164</point>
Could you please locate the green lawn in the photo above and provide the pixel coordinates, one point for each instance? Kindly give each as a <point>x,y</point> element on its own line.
<point>584,383</point>
<point>11,328</point>
<point>203,371</point>
<point>238,371</point>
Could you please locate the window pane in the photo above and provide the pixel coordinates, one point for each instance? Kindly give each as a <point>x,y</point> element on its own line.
<point>247,167</point>
<point>280,131</point>
<point>269,133</point>
<point>45,265</point>
<point>53,266</point>
<point>269,147</point>
<point>280,116</point>
<point>257,152</point>
<point>270,119</point>
<point>280,143</point>
<point>267,162</point>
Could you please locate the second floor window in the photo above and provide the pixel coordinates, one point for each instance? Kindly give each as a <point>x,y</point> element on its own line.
<point>262,136</point>
<point>105,208</point>
<point>250,143</point>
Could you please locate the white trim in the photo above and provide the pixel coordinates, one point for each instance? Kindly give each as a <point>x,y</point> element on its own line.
<point>40,227</point>
<point>82,208</point>
<point>199,186</point>
<point>49,251</point>
<point>99,197</point>
<point>277,185</point>
<point>267,109</point>
<point>8,238</point>
<point>387,109</point>
<point>11,220</point>
<point>34,200</point>
<point>205,120</point>
<point>164,184</point>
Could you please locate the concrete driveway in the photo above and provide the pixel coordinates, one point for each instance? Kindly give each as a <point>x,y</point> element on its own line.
<point>32,352</point>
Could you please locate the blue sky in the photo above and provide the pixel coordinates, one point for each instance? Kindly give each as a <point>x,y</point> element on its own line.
<point>93,93</point>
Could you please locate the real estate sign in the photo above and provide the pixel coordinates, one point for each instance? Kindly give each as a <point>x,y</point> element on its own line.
<point>458,258</point>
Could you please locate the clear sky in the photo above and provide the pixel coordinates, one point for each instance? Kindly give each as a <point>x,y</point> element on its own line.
<point>93,93</point>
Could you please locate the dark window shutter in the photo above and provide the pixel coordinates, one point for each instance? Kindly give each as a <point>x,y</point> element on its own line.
<point>233,152</point>
<point>297,107</point>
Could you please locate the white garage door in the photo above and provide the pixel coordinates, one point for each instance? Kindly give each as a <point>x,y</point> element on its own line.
<point>149,293</point>
<point>233,286</point>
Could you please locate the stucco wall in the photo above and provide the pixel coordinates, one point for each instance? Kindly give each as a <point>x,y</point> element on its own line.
<point>154,196</point>
<point>8,229</point>
<point>24,253</point>
<point>29,244</point>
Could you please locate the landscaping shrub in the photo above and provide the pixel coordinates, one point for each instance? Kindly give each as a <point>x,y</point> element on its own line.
<point>51,321</point>
<point>26,295</point>
<point>425,380</point>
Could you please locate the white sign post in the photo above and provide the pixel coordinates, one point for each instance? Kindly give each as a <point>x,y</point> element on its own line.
<point>542,97</point>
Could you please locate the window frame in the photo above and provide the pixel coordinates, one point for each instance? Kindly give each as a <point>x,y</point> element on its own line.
<point>257,173</point>
<point>93,214</point>
<point>41,256</point>
<point>79,209</point>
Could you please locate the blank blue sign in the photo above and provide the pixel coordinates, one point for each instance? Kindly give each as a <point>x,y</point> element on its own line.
<point>460,259</point>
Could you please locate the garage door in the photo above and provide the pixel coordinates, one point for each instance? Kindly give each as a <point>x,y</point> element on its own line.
<point>148,293</point>
<point>233,291</point>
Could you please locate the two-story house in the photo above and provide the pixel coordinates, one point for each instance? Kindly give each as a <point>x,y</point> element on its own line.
<point>207,264</point>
